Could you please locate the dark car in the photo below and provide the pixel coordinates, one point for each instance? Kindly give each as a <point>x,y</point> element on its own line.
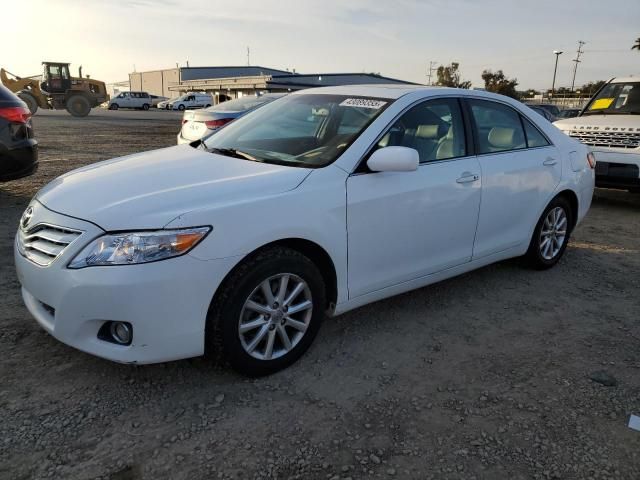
<point>18,148</point>
<point>552,109</point>
<point>544,112</point>
<point>569,113</point>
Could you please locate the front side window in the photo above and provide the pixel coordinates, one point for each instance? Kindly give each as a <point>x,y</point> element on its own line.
<point>54,71</point>
<point>302,130</point>
<point>498,127</point>
<point>616,98</point>
<point>434,128</point>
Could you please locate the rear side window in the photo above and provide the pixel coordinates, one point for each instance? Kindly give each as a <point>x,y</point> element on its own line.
<point>534,137</point>
<point>498,127</point>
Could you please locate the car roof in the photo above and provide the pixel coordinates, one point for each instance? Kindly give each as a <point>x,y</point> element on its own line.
<point>395,91</point>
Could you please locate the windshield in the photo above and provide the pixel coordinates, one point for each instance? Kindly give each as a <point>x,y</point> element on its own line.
<point>306,130</point>
<point>241,104</point>
<point>616,98</point>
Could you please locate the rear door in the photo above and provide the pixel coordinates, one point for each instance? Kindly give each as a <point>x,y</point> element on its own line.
<point>520,172</point>
<point>405,225</point>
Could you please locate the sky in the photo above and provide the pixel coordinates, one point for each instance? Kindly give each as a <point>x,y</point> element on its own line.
<point>396,39</point>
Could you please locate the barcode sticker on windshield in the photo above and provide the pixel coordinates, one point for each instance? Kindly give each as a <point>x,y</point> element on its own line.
<point>363,103</point>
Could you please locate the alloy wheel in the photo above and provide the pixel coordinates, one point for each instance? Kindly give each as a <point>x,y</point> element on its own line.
<point>553,233</point>
<point>275,316</point>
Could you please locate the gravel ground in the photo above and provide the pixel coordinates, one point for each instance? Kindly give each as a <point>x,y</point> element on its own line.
<point>486,376</point>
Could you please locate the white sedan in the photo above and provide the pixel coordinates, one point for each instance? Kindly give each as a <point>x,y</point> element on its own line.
<point>318,203</point>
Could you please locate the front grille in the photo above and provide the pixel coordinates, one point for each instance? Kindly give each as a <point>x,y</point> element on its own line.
<point>607,138</point>
<point>44,243</point>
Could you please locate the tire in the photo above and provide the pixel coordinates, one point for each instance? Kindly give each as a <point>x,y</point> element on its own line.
<point>145,106</point>
<point>542,254</point>
<point>114,106</point>
<point>207,105</point>
<point>78,105</point>
<point>31,102</point>
<point>228,311</point>
<point>180,107</point>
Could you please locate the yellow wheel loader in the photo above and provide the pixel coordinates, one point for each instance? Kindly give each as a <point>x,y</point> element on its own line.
<point>57,89</point>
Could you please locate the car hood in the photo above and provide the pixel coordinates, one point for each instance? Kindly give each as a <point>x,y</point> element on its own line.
<point>148,190</point>
<point>630,123</point>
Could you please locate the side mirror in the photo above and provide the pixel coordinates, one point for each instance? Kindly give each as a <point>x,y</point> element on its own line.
<point>394,159</point>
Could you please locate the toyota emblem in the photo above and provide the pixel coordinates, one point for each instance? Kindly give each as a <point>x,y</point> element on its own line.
<point>26,218</point>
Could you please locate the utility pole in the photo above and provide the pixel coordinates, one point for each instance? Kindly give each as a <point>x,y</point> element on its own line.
<point>248,56</point>
<point>557,53</point>
<point>576,62</point>
<point>431,69</point>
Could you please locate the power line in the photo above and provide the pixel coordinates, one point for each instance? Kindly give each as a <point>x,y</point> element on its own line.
<point>576,62</point>
<point>431,70</point>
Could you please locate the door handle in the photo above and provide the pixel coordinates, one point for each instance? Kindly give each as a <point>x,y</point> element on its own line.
<point>468,177</point>
<point>550,161</point>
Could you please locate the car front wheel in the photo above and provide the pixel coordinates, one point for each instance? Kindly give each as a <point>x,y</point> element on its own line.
<point>551,235</point>
<point>267,312</point>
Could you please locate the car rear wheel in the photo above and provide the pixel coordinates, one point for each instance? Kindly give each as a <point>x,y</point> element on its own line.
<point>145,106</point>
<point>551,235</point>
<point>267,312</point>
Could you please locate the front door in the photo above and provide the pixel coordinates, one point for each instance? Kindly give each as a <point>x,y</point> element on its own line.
<point>404,225</point>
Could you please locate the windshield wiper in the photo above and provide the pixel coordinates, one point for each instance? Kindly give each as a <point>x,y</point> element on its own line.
<point>232,152</point>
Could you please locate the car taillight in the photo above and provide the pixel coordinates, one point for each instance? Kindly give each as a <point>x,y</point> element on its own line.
<point>591,159</point>
<point>217,123</point>
<point>15,114</point>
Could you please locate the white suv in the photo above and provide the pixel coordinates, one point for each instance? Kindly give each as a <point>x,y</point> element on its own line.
<point>191,100</point>
<point>610,125</point>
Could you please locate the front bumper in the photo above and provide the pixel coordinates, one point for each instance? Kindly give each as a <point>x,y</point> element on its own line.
<point>617,169</point>
<point>166,302</point>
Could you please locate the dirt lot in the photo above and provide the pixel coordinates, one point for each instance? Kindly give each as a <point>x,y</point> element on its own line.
<point>486,376</point>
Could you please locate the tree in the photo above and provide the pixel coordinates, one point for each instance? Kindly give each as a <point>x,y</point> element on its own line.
<point>448,76</point>
<point>591,87</point>
<point>636,46</point>
<point>499,83</point>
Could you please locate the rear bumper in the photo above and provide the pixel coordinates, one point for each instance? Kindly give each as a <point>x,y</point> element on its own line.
<point>182,140</point>
<point>18,161</point>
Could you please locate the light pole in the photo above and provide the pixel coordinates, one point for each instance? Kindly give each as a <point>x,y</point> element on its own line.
<point>557,53</point>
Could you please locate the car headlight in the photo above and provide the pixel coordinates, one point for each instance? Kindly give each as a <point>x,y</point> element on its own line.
<point>130,248</point>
